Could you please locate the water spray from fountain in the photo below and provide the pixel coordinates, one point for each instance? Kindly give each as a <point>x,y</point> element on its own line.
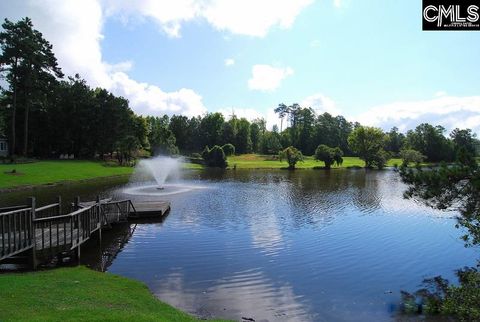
<point>158,176</point>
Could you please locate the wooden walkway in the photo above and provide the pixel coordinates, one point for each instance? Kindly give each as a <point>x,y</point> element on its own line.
<point>45,232</point>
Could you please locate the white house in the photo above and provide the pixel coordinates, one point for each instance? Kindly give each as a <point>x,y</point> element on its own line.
<point>3,147</point>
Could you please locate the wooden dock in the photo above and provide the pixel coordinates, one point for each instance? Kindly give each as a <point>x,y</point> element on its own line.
<point>150,209</point>
<point>46,231</point>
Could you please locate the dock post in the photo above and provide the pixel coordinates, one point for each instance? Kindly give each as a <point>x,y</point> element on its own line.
<point>99,209</point>
<point>59,201</point>
<point>32,233</point>
<point>76,203</point>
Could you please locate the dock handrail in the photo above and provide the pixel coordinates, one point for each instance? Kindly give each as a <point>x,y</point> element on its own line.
<point>12,208</point>
<point>15,232</point>
<point>67,231</point>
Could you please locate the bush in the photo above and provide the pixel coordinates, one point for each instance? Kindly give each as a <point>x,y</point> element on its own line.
<point>214,157</point>
<point>292,155</point>
<point>228,149</point>
<point>326,154</point>
<point>329,155</point>
<point>411,156</point>
<point>438,296</point>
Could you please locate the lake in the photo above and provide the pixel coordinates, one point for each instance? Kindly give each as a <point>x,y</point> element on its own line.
<point>276,245</point>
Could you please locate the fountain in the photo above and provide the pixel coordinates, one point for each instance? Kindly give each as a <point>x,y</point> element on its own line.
<point>158,176</point>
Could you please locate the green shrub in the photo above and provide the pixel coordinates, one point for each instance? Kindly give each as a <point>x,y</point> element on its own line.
<point>228,149</point>
<point>292,155</point>
<point>214,157</point>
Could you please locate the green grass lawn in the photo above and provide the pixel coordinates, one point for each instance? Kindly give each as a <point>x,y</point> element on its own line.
<point>80,294</point>
<point>255,161</point>
<point>44,172</point>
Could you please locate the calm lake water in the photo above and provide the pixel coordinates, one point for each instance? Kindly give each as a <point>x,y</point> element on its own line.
<point>281,246</point>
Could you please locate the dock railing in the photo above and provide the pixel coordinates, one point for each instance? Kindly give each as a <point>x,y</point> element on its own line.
<point>15,232</point>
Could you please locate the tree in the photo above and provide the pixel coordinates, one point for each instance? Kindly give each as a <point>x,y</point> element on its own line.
<point>338,156</point>
<point>454,187</point>
<point>430,141</point>
<point>210,129</point>
<point>31,67</point>
<point>282,110</point>
<point>411,156</point>
<point>243,141</point>
<point>450,187</point>
<point>228,149</point>
<point>395,141</point>
<point>179,127</point>
<point>214,157</point>
<point>162,140</point>
<point>126,147</point>
<point>270,143</point>
<point>326,154</point>
<point>257,131</point>
<point>368,143</point>
<point>463,138</point>
<point>292,155</point>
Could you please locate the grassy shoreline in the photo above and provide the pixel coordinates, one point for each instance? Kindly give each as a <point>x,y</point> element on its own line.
<point>55,172</point>
<point>80,294</point>
<point>257,161</point>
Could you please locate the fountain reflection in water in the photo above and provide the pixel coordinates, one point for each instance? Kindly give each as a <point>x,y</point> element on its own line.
<point>158,176</point>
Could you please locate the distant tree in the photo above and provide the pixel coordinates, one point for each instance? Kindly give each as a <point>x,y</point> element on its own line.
<point>326,154</point>
<point>243,141</point>
<point>282,110</point>
<point>395,141</point>
<point>464,138</point>
<point>257,130</point>
<point>126,148</point>
<point>210,129</point>
<point>214,157</point>
<point>411,156</point>
<point>230,130</point>
<point>338,156</point>
<point>228,149</point>
<point>162,140</point>
<point>368,143</point>
<point>30,66</point>
<point>380,159</point>
<point>179,127</point>
<point>292,155</point>
<point>270,143</point>
<point>430,141</point>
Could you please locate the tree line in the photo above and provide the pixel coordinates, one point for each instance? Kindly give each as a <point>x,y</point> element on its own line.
<point>45,114</point>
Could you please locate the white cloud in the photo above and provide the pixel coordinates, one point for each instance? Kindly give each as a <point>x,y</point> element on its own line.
<point>229,62</point>
<point>321,104</point>
<point>253,17</point>
<point>337,3</point>
<point>75,30</point>
<point>151,100</point>
<point>268,78</point>
<point>448,111</point>
<point>245,17</point>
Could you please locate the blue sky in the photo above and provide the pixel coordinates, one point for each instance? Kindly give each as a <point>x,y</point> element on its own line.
<point>367,60</point>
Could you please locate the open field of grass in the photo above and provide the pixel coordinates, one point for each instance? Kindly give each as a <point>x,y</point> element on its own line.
<point>45,172</point>
<point>255,161</point>
<point>80,294</point>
